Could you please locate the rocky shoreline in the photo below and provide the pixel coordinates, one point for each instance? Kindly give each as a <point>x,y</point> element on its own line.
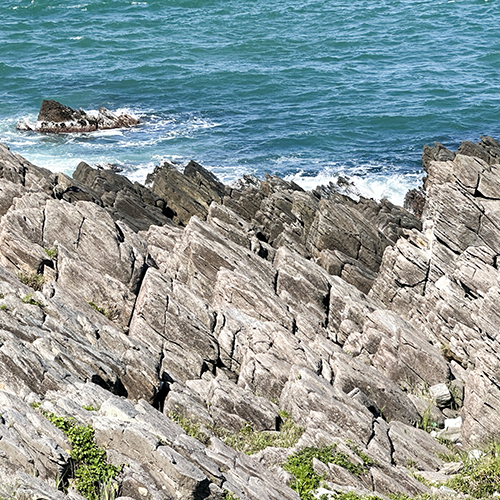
<point>181,317</point>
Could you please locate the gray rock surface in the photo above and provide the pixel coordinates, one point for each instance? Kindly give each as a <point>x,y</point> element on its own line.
<point>129,308</point>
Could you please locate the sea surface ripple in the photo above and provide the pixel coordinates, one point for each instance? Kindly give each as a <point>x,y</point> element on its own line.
<point>304,89</point>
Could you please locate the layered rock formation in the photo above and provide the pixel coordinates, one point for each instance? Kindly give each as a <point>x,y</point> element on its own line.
<point>130,308</point>
<point>56,118</point>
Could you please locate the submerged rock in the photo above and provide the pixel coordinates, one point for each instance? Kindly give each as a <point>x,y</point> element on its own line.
<point>56,118</point>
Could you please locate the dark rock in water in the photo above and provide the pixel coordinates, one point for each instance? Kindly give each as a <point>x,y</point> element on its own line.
<point>415,201</point>
<point>53,111</point>
<point>57,118</point>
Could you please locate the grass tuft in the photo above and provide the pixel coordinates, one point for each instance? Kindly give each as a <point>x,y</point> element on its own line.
<point>51,252</point>
<point>250,441</point>
<point>480,477</point>
<point>229,495</point>
<point>33,280</point>
<point>101,310</point>
<point>28,299</point>
<point>91,408</point>
<point>190,428</point>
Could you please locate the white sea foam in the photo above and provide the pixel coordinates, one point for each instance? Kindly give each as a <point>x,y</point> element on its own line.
<point>389,185</point>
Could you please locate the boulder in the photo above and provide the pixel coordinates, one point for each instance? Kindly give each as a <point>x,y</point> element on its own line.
<point>233,407</point>
<point>56,118</point>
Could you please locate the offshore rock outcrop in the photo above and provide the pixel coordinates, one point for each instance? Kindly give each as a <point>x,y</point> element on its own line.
<point>124,306</point>
<point>56,118</point>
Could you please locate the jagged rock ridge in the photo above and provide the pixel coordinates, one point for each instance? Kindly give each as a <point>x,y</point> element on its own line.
<point>228,304</point>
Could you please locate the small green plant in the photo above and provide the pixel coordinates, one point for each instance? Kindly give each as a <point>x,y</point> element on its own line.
<point>94,478</point>
<point>480,477</point>
<point>35,405</point>
<point>33,280</point>
<point>229,495</point>
<point>250,441</point>
<point>422,480</point>
<point>28,299</point>
<point>51,252</point>
<point>91,408</point>
<point>306,479</point>
<point>190,428</point>
<point>3,307</point>
<point>347,495</point>
<point>367,461</point>
<point>101,310</point>
<point>426,423</point>
<point>2,296</point>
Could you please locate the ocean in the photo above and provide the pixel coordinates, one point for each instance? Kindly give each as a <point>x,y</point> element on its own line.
<point>305,89</point>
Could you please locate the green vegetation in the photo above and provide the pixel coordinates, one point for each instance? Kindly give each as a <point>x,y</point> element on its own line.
<point>348,495</point>
<point>480,477</point>
<point>33,280</point>
<point>190,428</point>
<point>35,405</point>
<point>247,440</point>
<point>28,299</point>
<point>367,461</point>
<point>91,408</point>
<point>422,479</point>
<point>101,310</point>
<point>2,296</point>
<point>94,478</point>
<point>426,423</point>
<point>51,252</point>
<point>229,495</point>
<point>3,307</point>
<point>306,479</point>
<point>250,441</point>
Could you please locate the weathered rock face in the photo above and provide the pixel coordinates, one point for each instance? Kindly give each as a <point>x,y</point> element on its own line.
<point>228,306</point>
<point>445,280</point>
<point>190,193</point>
<point>56,118</point>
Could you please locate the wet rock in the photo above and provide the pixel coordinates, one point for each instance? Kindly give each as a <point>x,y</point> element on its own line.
<point>57,118</point>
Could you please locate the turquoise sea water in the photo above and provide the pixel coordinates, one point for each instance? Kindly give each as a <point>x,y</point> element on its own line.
<point>302,88</point>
